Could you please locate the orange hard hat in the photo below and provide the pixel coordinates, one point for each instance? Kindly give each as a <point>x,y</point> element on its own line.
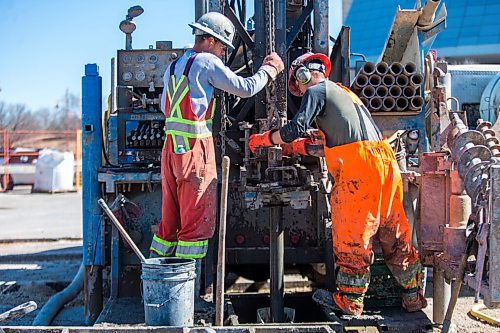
<point>302,60</point>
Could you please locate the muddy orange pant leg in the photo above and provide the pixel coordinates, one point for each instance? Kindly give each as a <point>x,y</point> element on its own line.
<point>355,202</point>
<point>394,232</point>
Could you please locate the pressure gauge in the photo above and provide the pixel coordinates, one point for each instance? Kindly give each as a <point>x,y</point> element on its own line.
<point>140,75</point>
<point>127,58</point>
<point>140,58</point>
<point>153,58</point>
<point>127,76</point>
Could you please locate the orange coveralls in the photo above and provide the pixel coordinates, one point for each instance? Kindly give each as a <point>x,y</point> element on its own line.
<point>189,178</point>
<point>366,199</point>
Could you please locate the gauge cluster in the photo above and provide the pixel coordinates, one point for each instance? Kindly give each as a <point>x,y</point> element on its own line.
<point>144,68</point>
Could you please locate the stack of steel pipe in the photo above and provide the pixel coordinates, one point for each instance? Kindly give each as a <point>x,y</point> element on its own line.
<point>470,154</point>
<point>394,87</point>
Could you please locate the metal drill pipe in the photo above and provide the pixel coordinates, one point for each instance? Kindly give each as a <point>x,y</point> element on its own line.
<point>381,91</point>
<point>409,69</point>
<point>396,68</point>
<point>277,266</point>
<point>409,92</point>
<point>368,68</point>
<point>402,80</point>
<point>368,92</point>
<point>388,103</point>
<point>388,80</point>
<point>401,104</point>
<point>375,80</point>
<point>365,101</point>
<point>381,68</point>
<point>375,103</point>
<point>395,91</point>
<point>361,81</point>
<point>416,103</point>
<point>416,79</point>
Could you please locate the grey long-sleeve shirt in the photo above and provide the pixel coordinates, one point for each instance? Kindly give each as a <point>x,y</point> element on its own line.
<point>341,119</point>
<point>208,72</point>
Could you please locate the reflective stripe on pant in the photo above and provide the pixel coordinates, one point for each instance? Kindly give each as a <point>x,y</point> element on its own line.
<point>189,186</point>
<point>366,199</point>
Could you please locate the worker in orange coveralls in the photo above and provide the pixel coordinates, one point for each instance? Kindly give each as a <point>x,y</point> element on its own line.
<point>367,195</point>
<point>188,170</point>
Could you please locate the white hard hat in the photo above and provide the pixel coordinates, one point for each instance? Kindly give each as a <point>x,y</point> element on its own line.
<point>216,25</point>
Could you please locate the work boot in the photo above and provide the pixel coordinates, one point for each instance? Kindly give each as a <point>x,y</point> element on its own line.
<point>200,305</point>
<point>414,300</point>
<point>337,303</point>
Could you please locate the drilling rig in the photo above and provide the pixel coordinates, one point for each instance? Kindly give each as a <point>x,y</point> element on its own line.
<point>278,214</point>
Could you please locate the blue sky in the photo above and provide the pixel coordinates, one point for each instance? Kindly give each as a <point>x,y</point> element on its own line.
<point>46,43</point>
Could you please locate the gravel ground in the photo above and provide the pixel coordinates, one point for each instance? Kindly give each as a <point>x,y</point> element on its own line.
<point>464,322</point>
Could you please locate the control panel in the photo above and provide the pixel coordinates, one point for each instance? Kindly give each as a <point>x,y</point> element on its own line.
<point>136,124</point>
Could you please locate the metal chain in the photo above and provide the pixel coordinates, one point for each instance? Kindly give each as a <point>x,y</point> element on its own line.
<point>270,26</point>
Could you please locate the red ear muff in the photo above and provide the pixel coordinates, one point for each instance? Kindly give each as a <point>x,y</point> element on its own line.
<point>303,75</point>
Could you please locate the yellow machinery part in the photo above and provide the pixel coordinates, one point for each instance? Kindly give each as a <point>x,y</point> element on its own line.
<point>476,313</point>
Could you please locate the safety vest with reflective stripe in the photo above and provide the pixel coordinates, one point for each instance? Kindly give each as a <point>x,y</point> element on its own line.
<point>181,122</point>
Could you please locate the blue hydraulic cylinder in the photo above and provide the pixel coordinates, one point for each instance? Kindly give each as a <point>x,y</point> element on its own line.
<point>91,162</point>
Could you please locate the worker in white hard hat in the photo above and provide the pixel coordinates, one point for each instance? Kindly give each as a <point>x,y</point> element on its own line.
<point>188,170</point>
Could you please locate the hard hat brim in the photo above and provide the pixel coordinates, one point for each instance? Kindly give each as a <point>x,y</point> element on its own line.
<point>210,32</point>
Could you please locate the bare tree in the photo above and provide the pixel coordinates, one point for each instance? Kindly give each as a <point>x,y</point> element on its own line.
<point>69,112</point>
<point>65,116</point>
<point>15,117</point>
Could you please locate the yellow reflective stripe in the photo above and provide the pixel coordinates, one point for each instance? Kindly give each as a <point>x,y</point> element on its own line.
<point>164,242</point>
<point>191,256</point>
<point>188,135</point>
<point>213,109</point>
<point>194,243</point>
<point>162,247</point>
<point>196,249</point>
<point>175,111</point>
<point>191,122</point>
<point>168,89</point>
<point>177,114</point>
<point>198,128</point>
<point>175,87</point>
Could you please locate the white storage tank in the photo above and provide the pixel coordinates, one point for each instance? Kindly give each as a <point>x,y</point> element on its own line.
<point>54,171</point>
